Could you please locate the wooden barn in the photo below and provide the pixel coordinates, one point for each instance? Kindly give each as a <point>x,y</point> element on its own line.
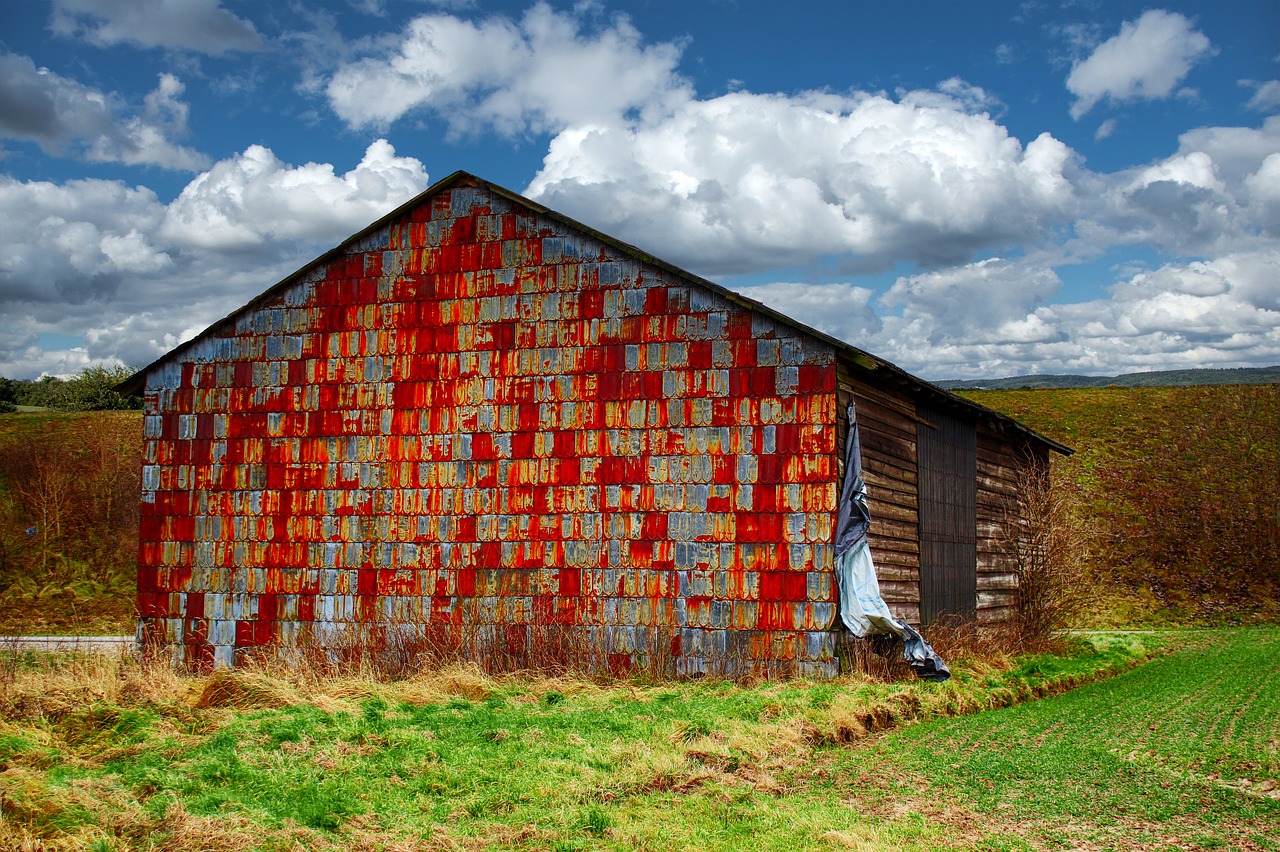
<point>479,417</point>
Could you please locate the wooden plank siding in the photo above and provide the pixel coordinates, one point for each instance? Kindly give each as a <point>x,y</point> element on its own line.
<point>999,462</point>
<point>889,423</point>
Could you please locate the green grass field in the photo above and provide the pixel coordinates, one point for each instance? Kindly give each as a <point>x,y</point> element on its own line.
<point>1179,753</point>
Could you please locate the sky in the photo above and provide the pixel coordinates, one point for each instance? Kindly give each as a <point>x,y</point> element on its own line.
<point>968,189</point>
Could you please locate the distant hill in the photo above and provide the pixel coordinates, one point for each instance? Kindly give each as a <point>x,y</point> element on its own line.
<point>1162,378</point>
<point>1171,492</point>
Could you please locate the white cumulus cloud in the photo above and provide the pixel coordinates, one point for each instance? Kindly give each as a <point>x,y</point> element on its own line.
<point>542,73</point>
<point>978,299</point>
<point>1222,313</point>
<point>63,116</point>
<point>746,181</point>
<point>1147,60</point>
<point>1212,197</point>
<point>249,199</point>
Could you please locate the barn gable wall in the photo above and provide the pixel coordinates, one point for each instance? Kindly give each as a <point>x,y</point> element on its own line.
<point>478,415</point>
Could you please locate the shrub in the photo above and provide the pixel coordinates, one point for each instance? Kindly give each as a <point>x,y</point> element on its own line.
<point>69,490</point>
<point>1048,548</point>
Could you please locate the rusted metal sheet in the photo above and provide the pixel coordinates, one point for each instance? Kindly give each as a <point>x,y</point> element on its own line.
<point>481,415</point>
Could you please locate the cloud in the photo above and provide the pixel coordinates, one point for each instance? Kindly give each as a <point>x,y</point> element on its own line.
<point>245,201</point>
<point>64,116</point>
<point>1211,198</point>
<point>1217,197</point>
<point>1147,60</point>
<point>540,74</point>
<point>1223,313</point>
<point>74,243</point>
<point>1181,310</point>
<point>747,182</point>
<point>199,25</point>
<point>992,299</point>
<point>844,311</point>
<point>1237,152</point>
<point>132,277</point>
<point>1266,95</point>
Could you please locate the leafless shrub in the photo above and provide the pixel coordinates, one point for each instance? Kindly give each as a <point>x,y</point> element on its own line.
<point>1047,548</point>
<point>387,651</point>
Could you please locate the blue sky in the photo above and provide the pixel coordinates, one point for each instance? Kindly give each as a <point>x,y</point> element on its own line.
<point>968,189</point>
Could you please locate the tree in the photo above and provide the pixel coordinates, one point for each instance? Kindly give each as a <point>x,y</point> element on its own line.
<point>94,389</point>
<point>44,392</point>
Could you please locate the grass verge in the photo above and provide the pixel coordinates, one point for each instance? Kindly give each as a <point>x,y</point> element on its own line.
<point>113,754</point>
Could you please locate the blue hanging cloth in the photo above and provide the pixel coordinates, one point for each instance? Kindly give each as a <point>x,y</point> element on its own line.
<point>862,609</point>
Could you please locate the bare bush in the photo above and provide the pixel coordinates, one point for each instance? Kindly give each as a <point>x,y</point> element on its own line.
<point>383,651</point>
<point>69,520</point>
<point>1047,548</point>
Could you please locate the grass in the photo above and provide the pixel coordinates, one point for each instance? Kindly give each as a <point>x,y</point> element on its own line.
<point>1179,753</point>
<point>127,755</point>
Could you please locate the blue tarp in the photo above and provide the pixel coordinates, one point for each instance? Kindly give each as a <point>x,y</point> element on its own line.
<point>862,609</point>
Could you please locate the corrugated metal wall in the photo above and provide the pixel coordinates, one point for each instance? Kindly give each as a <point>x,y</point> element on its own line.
<point>478,416</point>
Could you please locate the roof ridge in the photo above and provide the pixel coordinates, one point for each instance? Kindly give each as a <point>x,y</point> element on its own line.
<point>860,357</point>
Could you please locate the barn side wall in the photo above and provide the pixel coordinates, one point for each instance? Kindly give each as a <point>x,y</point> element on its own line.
<point>481,422</point>
<point>887,431</point>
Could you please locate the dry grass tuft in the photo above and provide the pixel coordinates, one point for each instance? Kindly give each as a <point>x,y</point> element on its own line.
<point>49,688</point>
<point>244,689</point>
<point>179,831</point>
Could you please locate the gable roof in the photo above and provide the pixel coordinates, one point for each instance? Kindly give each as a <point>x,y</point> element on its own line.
<point>858,357</point>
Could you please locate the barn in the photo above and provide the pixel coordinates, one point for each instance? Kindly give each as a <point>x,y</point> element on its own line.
<point>480,417</point>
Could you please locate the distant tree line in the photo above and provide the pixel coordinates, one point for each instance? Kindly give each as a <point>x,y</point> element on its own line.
<point>92,389</point>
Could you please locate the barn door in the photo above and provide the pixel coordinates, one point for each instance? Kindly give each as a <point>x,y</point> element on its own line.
<point>947,477</point>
